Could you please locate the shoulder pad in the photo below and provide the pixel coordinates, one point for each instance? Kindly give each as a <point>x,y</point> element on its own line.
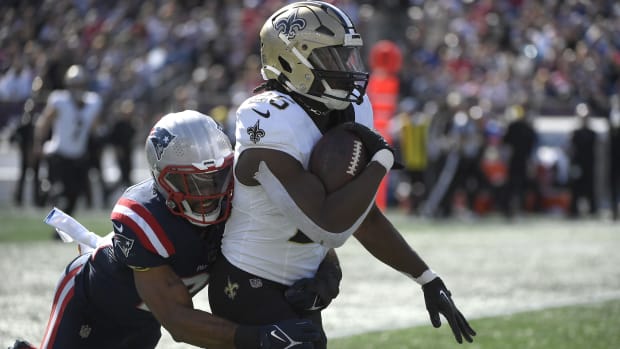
<point>272,120</point>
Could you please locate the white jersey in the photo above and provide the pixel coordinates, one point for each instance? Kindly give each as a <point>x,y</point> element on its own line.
<point>257,238</point>
<point>71,128</point>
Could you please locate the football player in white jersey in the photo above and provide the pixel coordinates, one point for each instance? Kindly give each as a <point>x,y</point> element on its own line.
<point>70,114</point>
<point>283,221</point>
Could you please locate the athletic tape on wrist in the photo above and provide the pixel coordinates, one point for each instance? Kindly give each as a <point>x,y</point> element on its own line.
<point>385,158</point>
<point>427,276</point>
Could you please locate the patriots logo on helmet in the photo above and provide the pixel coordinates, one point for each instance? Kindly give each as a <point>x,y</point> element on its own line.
<point>123,243</point>
<point>290,25</point>
<point>160,138</point>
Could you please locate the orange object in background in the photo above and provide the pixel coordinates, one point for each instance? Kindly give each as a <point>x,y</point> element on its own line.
<point>383,89</point>
<point>385,56</point>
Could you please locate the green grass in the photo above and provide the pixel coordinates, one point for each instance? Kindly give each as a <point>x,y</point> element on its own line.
<point>28,225</point>
<point>592,326</point>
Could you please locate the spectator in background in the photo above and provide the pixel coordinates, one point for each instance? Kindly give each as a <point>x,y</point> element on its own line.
<point>443,151</point>
<point>16,82</point>
<point>412,126</point>
<point>469,177</point>
<point>120,137</point>
<point>556,53</point>
<point>519,142</point>
<point>15,88</point>
<point>582,145</point>
<point>614,154</point>
<point>23,136</point>
<point>70,114</point>
<point>462,148</point>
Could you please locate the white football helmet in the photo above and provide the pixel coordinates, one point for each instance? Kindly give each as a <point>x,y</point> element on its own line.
<point>191,159</point>
<point>76,76</point>
<point>76,80</point>
<point>312,48</point>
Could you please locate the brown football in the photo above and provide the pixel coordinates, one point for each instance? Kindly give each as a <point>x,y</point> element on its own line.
<point>337,158</point>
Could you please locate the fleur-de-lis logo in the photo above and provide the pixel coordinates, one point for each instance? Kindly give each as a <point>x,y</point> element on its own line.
<point>231,289</point>
<point>290,25</point>
<point>255,132</point>
<point>85,331</point>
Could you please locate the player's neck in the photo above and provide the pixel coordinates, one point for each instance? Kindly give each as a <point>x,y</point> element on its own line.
<point>78,99</point>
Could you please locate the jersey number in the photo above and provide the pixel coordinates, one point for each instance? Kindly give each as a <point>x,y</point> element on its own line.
<point>279,102</point>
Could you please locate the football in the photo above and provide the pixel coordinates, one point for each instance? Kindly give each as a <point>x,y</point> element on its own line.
<point>337,158</point>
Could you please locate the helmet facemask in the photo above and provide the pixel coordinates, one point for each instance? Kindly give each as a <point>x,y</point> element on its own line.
<point>196,192</point>
<point>339,76</point>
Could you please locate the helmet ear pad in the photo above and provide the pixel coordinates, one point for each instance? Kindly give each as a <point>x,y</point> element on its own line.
<point>286,67</point>
<point>173,202</point>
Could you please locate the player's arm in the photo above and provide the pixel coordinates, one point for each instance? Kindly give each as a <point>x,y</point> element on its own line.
<point>334,212</point>
<point>170,302</point>
<point>384,242</point>
<point>42,128</point>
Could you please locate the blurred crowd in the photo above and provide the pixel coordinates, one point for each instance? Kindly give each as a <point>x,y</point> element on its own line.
<point>470,69</point>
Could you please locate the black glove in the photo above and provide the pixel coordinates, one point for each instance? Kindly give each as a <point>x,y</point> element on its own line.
<point>293,333</point>
<point>438,300</point>
<point>373,141</point>
<point>315,294</point>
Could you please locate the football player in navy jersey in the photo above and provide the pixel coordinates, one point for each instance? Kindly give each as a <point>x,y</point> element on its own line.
<point>167,233</point>
<point>283,221</point>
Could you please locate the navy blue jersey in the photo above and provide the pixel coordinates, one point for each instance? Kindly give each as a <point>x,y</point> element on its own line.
<point>147,235</point>
<point>96,303</point>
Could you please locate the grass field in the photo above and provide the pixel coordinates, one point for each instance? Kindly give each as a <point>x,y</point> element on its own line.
<point>593,326</point>
<point>534,283</point>
<point>27,225</point>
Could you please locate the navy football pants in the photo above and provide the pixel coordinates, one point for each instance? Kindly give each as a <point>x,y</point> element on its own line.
<point>250,300</point>
<point>75,323</point>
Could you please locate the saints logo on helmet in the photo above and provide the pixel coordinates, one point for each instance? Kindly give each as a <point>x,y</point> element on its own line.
<point>290,25</point>
<point>312,48</point>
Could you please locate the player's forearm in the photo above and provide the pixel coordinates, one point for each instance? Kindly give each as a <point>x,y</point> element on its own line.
<point>384,242</point>
<point>302,197</point>
<point>39,135</point>
<point>42,128</point>
<point>201,329</point>
<point>343,207</point>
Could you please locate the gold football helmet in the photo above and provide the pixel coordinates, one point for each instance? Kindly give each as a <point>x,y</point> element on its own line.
<point>312,48</point>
